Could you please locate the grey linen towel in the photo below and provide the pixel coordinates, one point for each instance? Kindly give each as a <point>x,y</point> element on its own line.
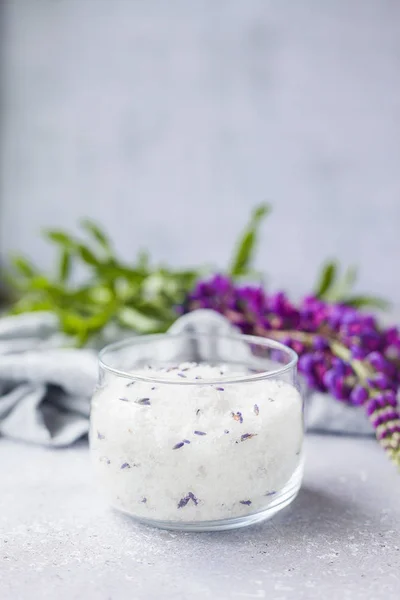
<point>45,388</point>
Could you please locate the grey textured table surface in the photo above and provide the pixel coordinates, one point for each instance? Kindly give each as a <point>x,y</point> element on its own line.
<point>340,538</point>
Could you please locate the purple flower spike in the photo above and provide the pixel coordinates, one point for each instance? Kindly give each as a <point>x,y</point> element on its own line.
<point>377,361</point>
<point>329,379</point>
<point>358,395</point>
<point>306,363</point>
<point>374,404</point>
<point>390,398</point>
<point>309,329</point>
<point>341,391</point>
<point>320,343</point>
<point>340,366</point>
<point>357,353</point>
<point>379,381</point>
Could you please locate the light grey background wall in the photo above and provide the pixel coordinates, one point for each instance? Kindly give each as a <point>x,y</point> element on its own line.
<point>168,120</point>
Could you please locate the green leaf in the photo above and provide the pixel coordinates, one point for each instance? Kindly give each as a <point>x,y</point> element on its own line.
<point>342,287</point>
<point>40,282</point>
<point>367,302</point>
<point>260,212</point>
<point>87,255</point>
<point>139,322</point>
<point>326,279</point>
<point>136,295</point>
<point>23,266</point>
<point>100,294</point>
<point>243,256</point>
<point>61,238</point>
<point>350,277</point>
<point>74,323</point>
<point>94,230</point>
<point>32,301</point>
<point>65,266</point>
<point>111,271</point>
<point>143,260</point>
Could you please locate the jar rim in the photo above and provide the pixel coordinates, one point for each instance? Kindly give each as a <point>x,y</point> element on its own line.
<point>252,339</point>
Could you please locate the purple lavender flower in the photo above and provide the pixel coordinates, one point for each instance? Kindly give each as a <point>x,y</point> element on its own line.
<point>358,395</point>
<point>184,501</point>
<point>322,333</point>
<point>193,498</point>
<point>357,352</point>
<point>379,381</point>
<point>143,401</point>
<point>390,398</point>
<point>306,363</point>
<point>320,343</point>
<point>247,436</point>
<point>246,502</point>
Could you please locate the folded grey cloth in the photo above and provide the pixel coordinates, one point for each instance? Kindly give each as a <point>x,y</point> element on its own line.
<point>45,388</point>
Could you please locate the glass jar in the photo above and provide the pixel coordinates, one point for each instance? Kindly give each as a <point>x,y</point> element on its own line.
<point>198,431</point>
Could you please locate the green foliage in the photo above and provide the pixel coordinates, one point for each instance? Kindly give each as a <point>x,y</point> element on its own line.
<point>245,249</point>
<point>137,296</point>
<point>332,287</point>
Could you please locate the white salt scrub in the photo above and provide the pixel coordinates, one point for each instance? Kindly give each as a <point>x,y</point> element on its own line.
<point>192,453</point>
